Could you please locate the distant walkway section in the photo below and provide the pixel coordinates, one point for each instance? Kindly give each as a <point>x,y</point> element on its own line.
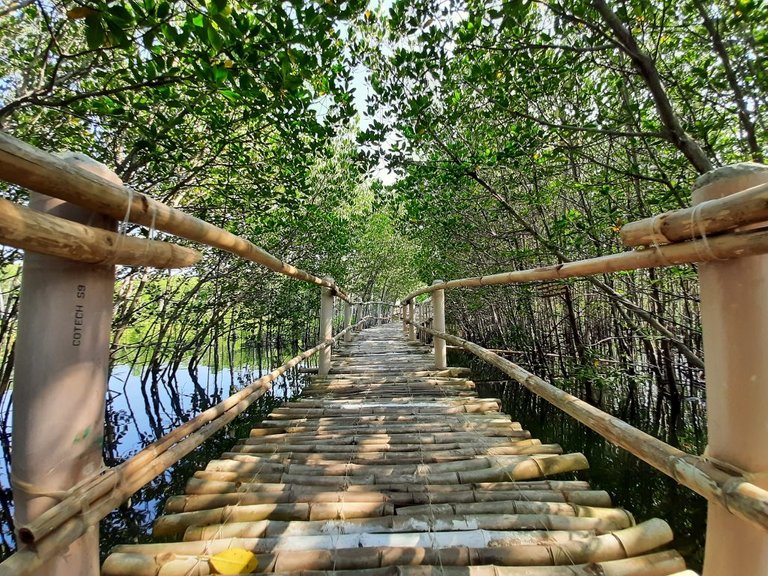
<point>390,467</point>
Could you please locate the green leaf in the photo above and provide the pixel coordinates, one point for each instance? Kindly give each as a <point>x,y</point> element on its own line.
<point>94,32</point>
<point>215,40</point>
<point>230,95</point>
<point>120,14</point>
<point>163,10</point>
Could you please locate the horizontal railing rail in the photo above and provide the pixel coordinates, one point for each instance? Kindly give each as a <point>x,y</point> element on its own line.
<point>725,233</point>
<point>712,480</point>
<point>732,245</point>
<point>40,171</point>
<point>73,211</point>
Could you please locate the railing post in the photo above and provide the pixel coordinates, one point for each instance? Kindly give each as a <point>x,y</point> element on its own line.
<point>326,329</point>
<point>411,328</point>
<point>347,321</point>
<point>734,315</point>
<point>60,385</point>
<point>438,322</point>
<point>404,316</point>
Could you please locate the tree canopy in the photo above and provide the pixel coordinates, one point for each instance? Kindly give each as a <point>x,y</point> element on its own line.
<point>516,133</point>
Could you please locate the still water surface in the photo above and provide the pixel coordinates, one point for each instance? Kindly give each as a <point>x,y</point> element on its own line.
<point>137,415</point>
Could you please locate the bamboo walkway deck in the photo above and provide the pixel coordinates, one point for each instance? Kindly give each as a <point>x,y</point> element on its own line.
<point>389,467</point>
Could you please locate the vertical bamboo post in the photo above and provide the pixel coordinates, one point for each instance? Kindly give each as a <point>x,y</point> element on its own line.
<point>438,322</point>
<point>411,328</point>
<point>734,315</point>
<point>348,321</point>
<point>61,367</point>
<point>404,316</point>
<point>326,329</point>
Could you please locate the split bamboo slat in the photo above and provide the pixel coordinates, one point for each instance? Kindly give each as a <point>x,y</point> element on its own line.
<point>381,468</point>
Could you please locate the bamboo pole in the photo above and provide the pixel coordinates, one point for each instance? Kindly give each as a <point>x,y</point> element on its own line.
<point>714,216</point>
<point>32,168</point>
<point>449,454</point>
<point>200,486</point>
<point>532,467</point>
<point>352,447</point>
<point>348,321</point>
<point>395,453</point>
<point>326,328</point>
<point>658,564</point>
<point>514,507</point>
<point>418,539</point>
<point>411,316</point>
<point>171,524</point>
<point>34,231</point>
<point>734,317</point>
<point>310,430</point>
<point>315,494</point>
<point>728,489</point>
<point>233,461</point>
<point>721,247</point>
<point>88,503</point>
<point>438,301</point>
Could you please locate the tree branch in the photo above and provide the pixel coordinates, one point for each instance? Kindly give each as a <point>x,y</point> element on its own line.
<point>647,69</point>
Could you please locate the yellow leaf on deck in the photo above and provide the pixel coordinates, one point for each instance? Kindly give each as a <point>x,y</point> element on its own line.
<point>234,561</point>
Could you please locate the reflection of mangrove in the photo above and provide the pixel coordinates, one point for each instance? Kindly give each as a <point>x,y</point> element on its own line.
<point>143,407</point>
<point>134,522</point>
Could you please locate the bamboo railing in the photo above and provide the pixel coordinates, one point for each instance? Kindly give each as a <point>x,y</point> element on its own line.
<point>725,232</point>
<point>732,245</point>
<point>93,194</point>
<point>726,487</point>
<point>48,174</point>
<point>89,502</point>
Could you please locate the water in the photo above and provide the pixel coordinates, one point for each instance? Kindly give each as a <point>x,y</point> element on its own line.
<point>137,415</point>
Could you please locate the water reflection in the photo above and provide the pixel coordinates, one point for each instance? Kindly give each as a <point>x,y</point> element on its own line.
<point>143,406</point>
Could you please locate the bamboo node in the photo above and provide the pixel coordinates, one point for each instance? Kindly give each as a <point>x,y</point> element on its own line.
<point>621,545</point>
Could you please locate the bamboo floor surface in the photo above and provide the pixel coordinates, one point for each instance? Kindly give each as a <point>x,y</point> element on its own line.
<point>390,467</point>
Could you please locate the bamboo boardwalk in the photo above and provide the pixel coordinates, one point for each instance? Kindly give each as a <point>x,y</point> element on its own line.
<point>389,467</point>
